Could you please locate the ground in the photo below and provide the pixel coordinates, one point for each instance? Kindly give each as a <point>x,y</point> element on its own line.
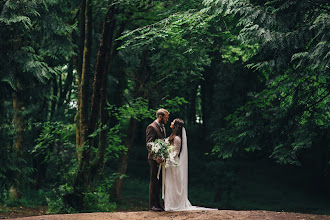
<point>17,212</point>
<point>217,214</point>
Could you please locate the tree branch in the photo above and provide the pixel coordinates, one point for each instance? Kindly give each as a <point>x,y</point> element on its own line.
<point>320,100</point>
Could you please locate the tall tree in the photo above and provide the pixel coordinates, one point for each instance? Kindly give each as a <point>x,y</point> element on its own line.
<point>293,61</point>
<point>138,92</point>
<point>24,57</point>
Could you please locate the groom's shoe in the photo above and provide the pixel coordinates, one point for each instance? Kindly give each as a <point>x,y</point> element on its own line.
<point>156,209</point>
<point>161,207</point>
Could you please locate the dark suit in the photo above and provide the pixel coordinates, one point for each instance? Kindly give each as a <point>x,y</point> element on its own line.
<point>153,132</point>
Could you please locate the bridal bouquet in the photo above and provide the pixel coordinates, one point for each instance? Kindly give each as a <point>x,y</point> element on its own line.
<point>162,148</point>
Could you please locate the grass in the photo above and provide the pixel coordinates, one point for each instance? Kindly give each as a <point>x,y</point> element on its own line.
<point>250,197</point>
<point>135,196</point>
<point>20,211</point>
<point>256,186</point>
<point>271,188</point>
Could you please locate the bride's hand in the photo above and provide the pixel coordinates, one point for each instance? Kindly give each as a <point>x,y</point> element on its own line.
<point>159,160</point>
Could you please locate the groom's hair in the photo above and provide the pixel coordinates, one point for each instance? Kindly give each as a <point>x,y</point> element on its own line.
<point>162,112</point>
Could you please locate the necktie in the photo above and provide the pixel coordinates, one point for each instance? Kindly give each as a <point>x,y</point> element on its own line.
<point>162,128</point>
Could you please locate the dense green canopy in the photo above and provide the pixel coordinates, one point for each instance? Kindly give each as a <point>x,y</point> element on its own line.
<point>81,80</point>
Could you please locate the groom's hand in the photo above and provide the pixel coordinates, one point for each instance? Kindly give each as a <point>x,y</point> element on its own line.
<point>159,160</point>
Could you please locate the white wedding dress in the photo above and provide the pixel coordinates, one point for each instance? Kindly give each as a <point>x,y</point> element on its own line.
<point>176,179</point>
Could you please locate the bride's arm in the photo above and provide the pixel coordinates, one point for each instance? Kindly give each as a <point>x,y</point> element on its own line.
<point>177,145</point>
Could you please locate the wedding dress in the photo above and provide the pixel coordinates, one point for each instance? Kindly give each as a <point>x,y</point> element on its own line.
<point>176,179</point>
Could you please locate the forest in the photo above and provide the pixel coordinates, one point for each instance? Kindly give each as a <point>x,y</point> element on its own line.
<point>80,81</point>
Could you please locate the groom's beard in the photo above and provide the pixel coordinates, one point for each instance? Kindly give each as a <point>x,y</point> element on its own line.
<point>162,121</point>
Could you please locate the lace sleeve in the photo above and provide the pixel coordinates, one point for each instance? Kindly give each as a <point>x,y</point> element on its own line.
<point>177,145</point>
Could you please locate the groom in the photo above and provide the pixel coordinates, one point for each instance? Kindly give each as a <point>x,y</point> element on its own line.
<point>156,130</point>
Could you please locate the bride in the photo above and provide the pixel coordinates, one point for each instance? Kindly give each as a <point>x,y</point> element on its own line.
<point>176,176</point>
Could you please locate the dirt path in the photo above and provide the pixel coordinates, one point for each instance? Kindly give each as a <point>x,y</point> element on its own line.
<point>218,214</point>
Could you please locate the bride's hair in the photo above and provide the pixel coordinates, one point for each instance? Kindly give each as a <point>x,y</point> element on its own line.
<point>176,131</point>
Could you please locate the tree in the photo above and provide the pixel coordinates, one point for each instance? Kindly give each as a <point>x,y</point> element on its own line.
<point>118,15</point>
<point>24,58</point>
<point>293,64</point>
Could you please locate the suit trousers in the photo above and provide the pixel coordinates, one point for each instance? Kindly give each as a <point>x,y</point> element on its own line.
<point>155,185</point>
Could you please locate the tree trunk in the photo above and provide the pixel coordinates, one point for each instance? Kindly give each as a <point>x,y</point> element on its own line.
<point>102,65</point>
<point>15,191</point>
<point>82,179</point>
<point>99,90</point>
<point>207,94</point>
<point>65,92</point>
<point>98,162</point>
<point>123,160</point>
<point>53,100</point>
<point>78,60</point>
<point>116,98</point>
<point>192,106</point>
<point>120,76</point>
<point>83,94</point>
<point>106,55</point>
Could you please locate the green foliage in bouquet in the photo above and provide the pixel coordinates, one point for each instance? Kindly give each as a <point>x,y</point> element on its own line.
<point>160,148</point>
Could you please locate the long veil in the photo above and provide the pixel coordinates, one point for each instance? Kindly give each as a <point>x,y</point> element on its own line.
<point>176,182</point>
<point>183,164</point>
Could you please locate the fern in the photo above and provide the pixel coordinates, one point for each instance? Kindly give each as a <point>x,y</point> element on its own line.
<point>35,39</point>
<point>293,56</point>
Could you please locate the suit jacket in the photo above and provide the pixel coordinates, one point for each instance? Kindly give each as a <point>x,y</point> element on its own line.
<point>154,132</point>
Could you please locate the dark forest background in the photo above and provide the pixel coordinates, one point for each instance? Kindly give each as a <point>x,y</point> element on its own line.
<point>80,81</point>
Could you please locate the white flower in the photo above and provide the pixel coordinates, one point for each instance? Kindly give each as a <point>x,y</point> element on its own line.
<point>161,148</point>
<point>167,165</point>
<point>155,148</point>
